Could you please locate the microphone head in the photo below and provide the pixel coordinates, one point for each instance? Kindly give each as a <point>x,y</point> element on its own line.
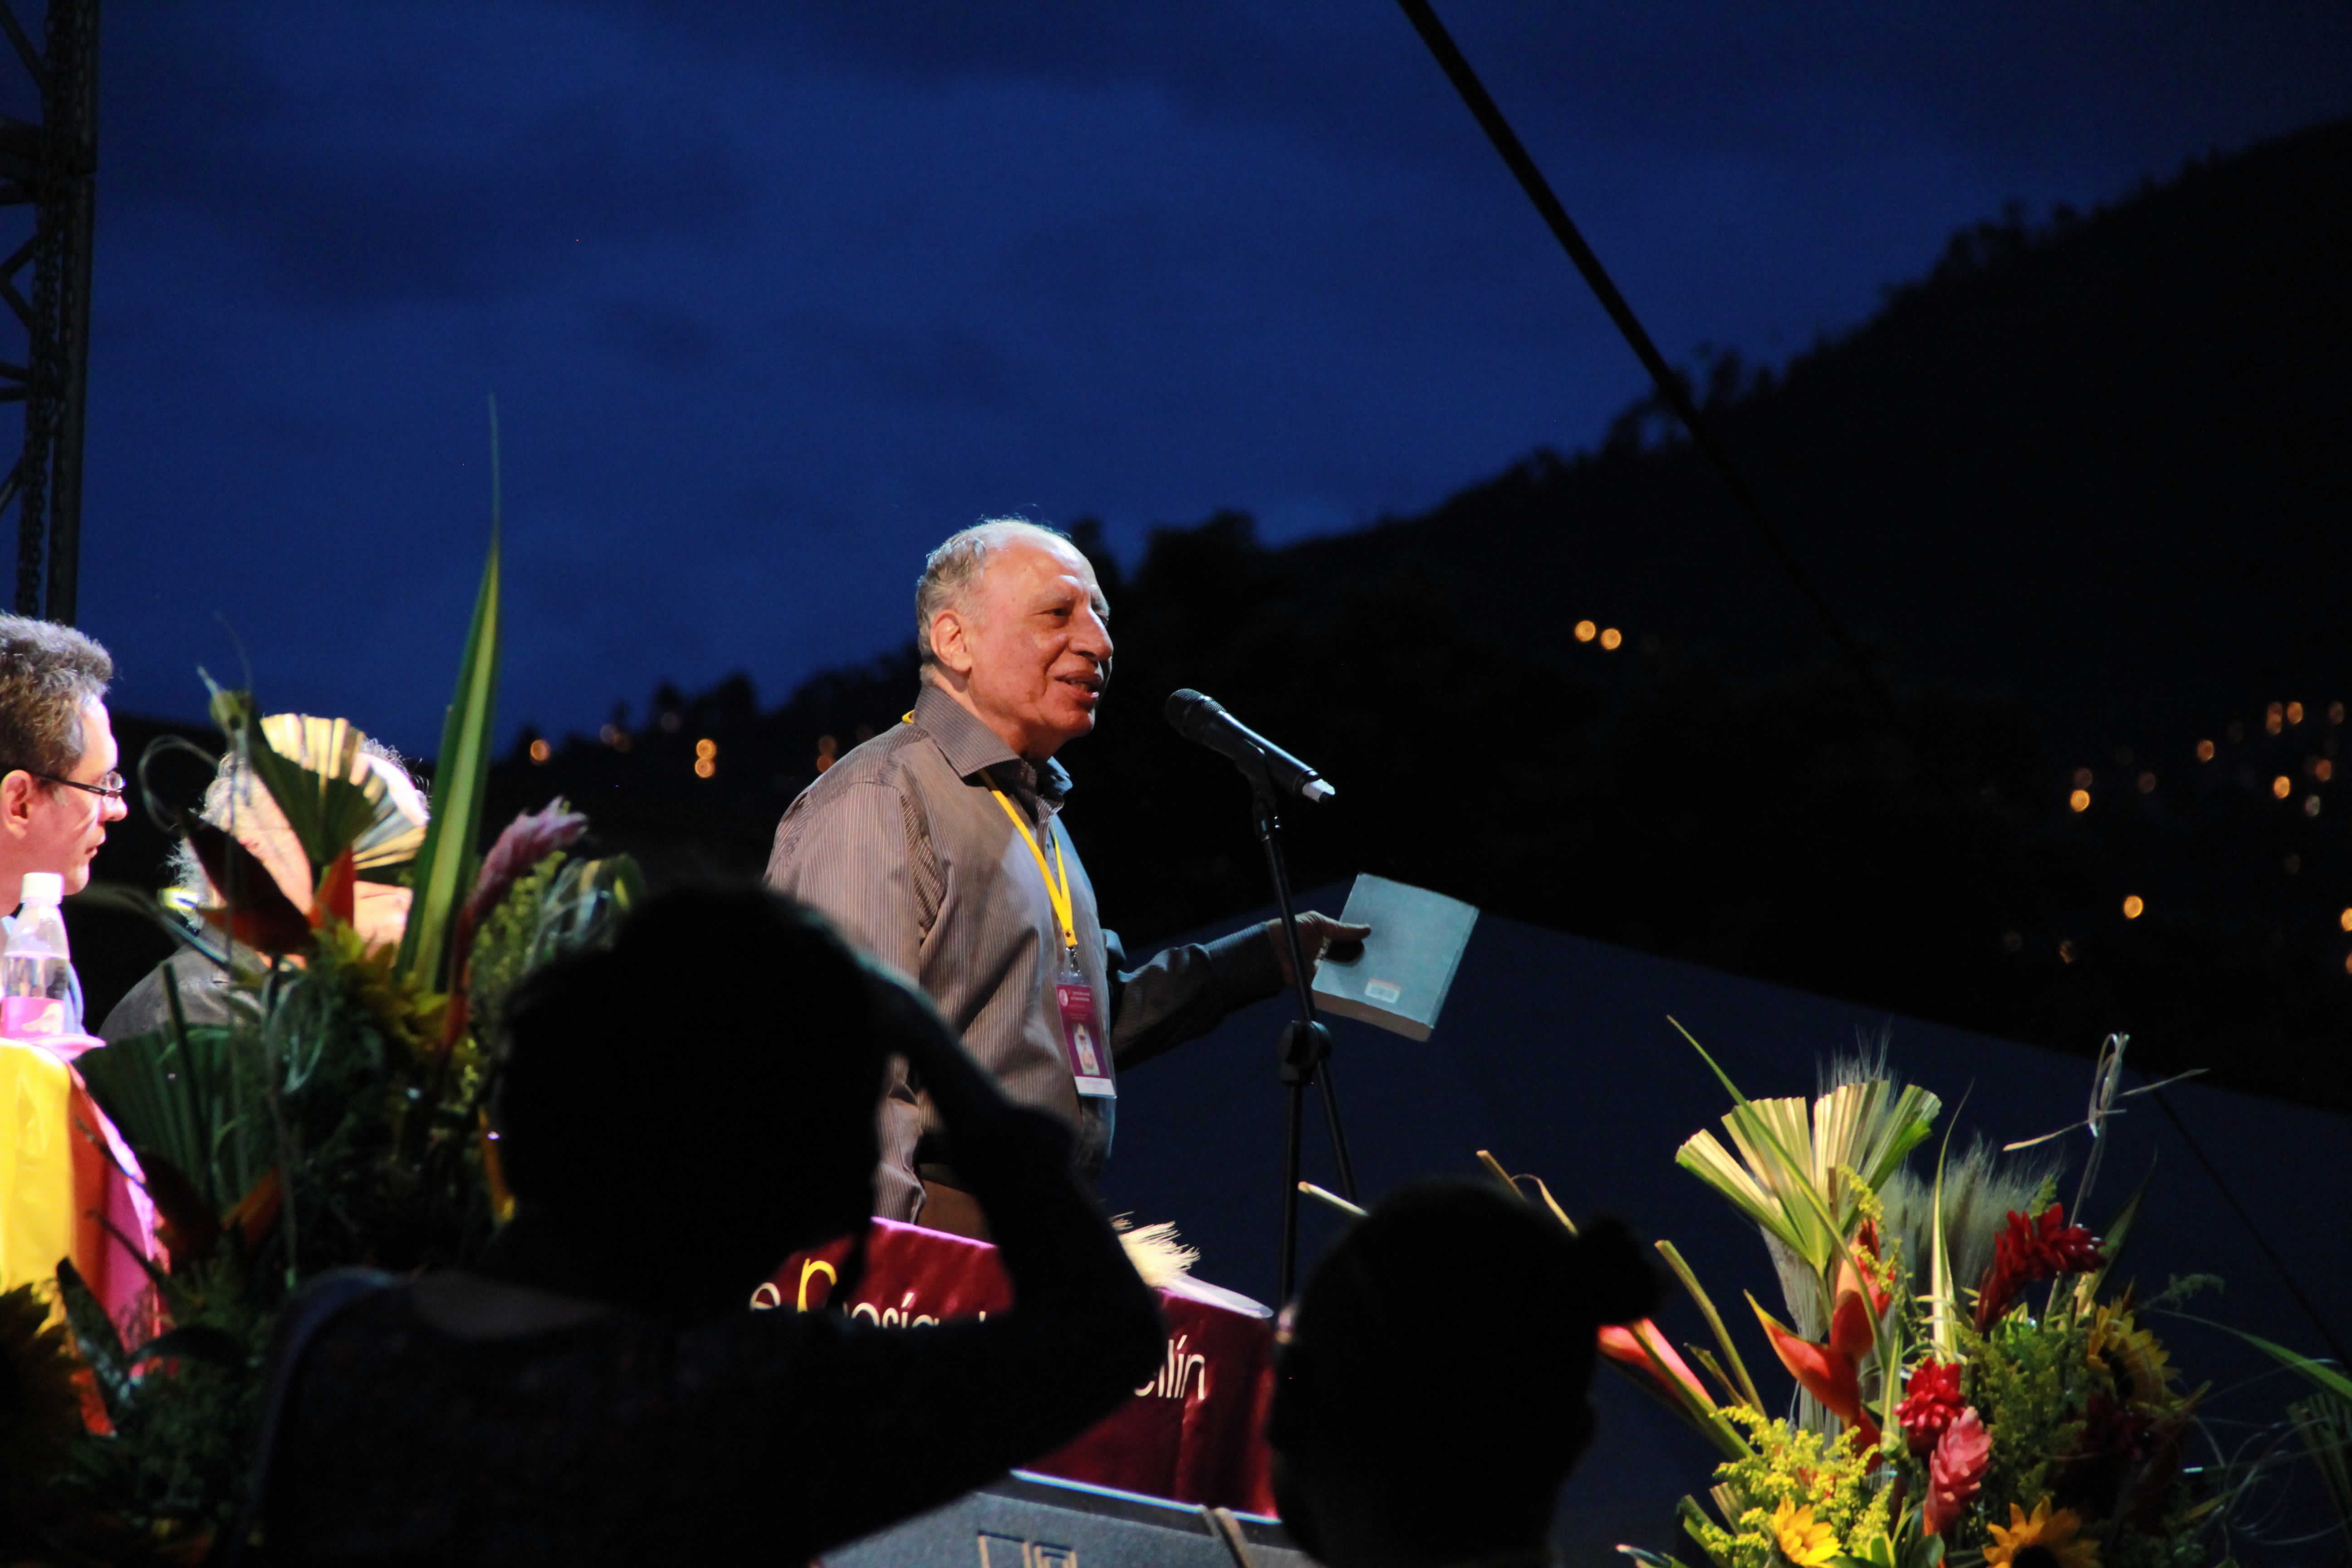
<point>1186,709</point>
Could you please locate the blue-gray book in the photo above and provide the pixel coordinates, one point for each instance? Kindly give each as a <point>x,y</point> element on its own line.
<point>1400,979</point>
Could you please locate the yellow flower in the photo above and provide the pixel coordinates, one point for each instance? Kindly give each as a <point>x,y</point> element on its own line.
<point>2134,1357</point>
<point>2047,1538</point>
<point>1802,1542</point>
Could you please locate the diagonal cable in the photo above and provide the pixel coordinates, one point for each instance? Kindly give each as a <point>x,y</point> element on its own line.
<point>1671,390</point>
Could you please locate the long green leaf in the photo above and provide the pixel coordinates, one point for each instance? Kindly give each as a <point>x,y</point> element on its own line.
<point>2318,1371</point>
<point>1943,1304</point>
<point>1746,1385</point>
<point>446,866</point>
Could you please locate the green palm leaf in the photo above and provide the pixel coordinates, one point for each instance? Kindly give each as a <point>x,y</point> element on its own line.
<point>445,864</point>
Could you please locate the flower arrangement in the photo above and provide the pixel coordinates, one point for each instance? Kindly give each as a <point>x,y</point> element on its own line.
<point>1970,1387</point>
<point>336,1118</point>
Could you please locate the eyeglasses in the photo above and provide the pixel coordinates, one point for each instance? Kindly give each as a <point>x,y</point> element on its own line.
<point>111,787</point>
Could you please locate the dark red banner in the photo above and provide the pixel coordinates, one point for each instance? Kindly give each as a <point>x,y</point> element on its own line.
<point>1190,1435</point>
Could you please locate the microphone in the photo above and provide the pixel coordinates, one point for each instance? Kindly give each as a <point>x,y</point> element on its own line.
<point>1205,721</point>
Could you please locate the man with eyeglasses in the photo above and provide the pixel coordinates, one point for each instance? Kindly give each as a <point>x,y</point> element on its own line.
<point>59,788</point>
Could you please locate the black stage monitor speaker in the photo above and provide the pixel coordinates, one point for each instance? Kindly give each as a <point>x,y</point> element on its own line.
<point>1035,1522</point>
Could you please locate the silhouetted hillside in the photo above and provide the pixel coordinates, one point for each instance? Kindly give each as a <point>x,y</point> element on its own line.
<point>2102,465</point>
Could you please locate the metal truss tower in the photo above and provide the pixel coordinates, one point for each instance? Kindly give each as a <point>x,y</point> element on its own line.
<point>51,170</point>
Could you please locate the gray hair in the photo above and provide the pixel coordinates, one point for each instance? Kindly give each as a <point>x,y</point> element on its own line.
<point>47,673</point>
<point>949,571</point>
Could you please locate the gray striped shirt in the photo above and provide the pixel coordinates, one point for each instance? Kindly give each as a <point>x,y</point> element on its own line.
<point>903,847</point>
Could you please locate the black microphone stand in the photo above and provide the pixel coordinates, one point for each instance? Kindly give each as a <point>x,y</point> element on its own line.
<point>1305,1047</point>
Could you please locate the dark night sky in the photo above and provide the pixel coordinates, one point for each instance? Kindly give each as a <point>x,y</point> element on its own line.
<point>774,298</point>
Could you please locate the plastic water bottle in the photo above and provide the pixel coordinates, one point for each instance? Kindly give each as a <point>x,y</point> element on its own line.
<point>36,985</point>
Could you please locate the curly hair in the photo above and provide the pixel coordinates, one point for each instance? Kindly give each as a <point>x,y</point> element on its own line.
<point>47,673</point>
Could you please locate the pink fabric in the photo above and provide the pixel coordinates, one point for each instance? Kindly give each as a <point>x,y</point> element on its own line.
<point>1193,1434</point>
<point>110,1192</point>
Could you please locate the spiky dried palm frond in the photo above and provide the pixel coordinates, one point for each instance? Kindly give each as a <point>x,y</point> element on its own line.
<point>1803,1169</point>
<point>334,748</point>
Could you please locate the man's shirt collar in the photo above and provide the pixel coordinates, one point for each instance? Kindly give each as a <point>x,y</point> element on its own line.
<point>970,746</point>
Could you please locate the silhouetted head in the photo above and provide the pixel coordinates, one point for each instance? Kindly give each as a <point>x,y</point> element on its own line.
<point>697,1101</point>
<point>1432,1395</point>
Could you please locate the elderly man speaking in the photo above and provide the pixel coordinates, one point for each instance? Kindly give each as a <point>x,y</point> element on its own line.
<point>936,848</point>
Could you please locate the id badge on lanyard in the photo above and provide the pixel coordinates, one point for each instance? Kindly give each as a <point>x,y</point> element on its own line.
<point>1083,1043</point>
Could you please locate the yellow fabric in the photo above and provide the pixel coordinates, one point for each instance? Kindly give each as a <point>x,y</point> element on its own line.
<point>38,1210</point>
<point>1058,892</point>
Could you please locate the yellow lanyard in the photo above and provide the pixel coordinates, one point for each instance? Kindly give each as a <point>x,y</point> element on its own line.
<point>1056,893</point>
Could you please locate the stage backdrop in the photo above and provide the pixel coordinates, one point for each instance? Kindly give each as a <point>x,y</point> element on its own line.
<point>1556,1054</point>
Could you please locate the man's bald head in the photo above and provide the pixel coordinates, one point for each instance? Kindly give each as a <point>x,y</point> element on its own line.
<point>952,572</point>
<point>1013,625</point>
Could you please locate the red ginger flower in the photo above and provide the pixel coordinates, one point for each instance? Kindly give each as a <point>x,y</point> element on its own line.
<point>1956,1472</point>
<point>2028,1252</point>
<point>530,839</point>
<point>1931,1400</point>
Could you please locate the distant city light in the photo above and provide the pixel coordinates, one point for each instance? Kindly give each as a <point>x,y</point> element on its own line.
<point>706,749</point>
<point>2322,769</point>
<point>2344,920</point>
<point>703,767</point>
<point>2336,712</point>
<point>2281,786</point>
<point>2082,778</point>
<point>1586,631</point>
<point>2132,907</point>
<point>2079,800</point>
<point>2311,806</point>
<point>2066,953</point>
<point>2294,713</point>
<point>1612,638</point>
<point>828,751</point>
<point>2348,963</point>
<point>2148,783</point>
<point>540,750</point>
<point>2204,750</point>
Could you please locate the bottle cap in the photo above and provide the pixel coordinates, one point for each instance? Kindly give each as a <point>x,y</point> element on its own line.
<point>44,888</point>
